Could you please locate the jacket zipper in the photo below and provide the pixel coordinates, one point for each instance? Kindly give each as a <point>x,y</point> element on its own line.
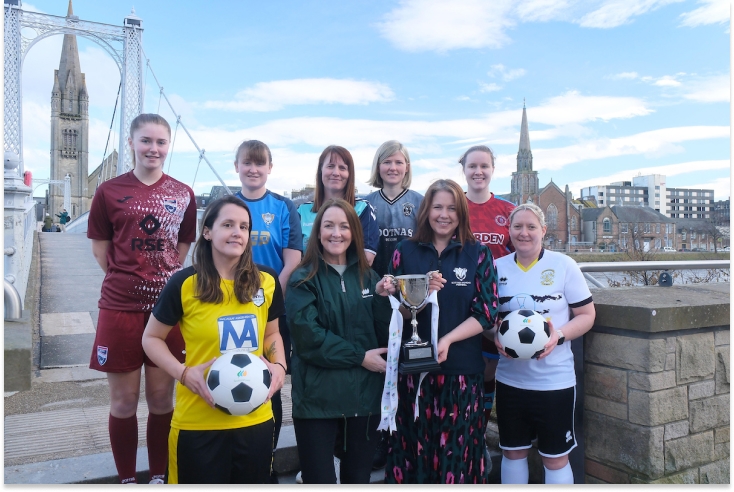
<point>342,280</point>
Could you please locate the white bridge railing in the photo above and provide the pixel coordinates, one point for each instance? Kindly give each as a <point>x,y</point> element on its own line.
<point>642,266</point>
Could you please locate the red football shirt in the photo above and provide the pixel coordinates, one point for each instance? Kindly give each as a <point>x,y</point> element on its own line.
<point>490,223</point>
<point>145,224</point>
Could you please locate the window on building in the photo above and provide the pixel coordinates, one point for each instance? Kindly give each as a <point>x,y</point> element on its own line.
<point>573,223</point>
<point>657,243</point>
<point>635,228</point>
<point>637,244</point>
<point>693,234</point>
<point>623,227</point>
<point>552,217</point>
<point>607,225</point>
<point>647,227</point>
<point>683,235</point>
<point>657,228</point>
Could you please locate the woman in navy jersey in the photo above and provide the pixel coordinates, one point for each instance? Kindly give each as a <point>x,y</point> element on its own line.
<point>488,217</point>
<point>141,224</point>
<point>335,179</point>
<point>537,397</point>
<point>439,420</point>
<point>276,235</point>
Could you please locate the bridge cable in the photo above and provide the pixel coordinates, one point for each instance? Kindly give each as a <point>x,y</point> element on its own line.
<point>173,144</point>
<point>201,153</point>
<point>104,155</point>
<point>201,156</point>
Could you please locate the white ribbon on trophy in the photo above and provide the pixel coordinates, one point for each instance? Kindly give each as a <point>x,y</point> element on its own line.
<point>389,405</point>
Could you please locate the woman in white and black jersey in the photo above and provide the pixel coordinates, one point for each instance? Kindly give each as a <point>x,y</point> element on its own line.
<point>537,397</point>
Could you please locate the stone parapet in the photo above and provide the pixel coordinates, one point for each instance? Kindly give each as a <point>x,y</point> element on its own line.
<point>656,385</point>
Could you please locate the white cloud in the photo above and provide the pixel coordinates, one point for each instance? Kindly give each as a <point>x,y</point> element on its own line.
<point>667,81</point>
<point>711,12</point>
<point>713,89</point>
<point>272,96</point>
<point>484,87</point>
<point>435,25</point>
<point>667,170</point>
<point>506,74</point>
<point>721,187</point>
<point>614,13</point>
<point>545,10</point>
<point>625,76</point>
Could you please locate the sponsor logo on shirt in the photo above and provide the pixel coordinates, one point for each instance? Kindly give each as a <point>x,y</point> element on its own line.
<point>170,204</point>
<point>149,224</point>
<point>546,278</point>
<point>268,218</point>
<point>501,220</point>
<point>490,237</point>
<point>408,208</point>
<point>395,232</point>
<point>259,237</point>
<point>568,436</point>
<point>238,331</point>
<point>124,199</point>
<point>259,298</point>
<point>366,293</point>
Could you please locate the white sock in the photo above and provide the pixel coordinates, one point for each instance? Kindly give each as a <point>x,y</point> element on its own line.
<point>562,475</point>
<point>514,471</point>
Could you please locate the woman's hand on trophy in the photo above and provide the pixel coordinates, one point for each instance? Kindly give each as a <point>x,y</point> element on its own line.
<point>435,281</point>
<point>373,360</point>
<point>386,286</point>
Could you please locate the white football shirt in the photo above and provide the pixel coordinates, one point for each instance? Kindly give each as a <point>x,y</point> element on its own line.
<point>551,285</point>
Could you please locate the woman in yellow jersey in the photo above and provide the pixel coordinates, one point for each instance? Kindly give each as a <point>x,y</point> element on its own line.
<point>206,445</point>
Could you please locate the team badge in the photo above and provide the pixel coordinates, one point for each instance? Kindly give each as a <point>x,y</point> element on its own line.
<point>408,208</point>
<point>170,204</point>
<point>101,354</point>
<point>259,298</point>
<point>546,278</point>
<point>460,273</point>
<point>268,218</point>
<point>501,220</point>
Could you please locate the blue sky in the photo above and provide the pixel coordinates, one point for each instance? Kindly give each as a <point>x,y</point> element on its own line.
<point>612,87</point>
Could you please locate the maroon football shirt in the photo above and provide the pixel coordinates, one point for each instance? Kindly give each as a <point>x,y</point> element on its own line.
<point>145,224</point>
<point>490,223</point>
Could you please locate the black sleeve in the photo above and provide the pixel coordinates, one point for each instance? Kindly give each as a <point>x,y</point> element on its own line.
<point>277,306</point>
<point>169,307</point>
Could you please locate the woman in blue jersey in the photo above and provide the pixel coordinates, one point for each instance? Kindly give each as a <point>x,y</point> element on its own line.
<point>275,235</point>
<point>396,208</point>
<point>335,179</point>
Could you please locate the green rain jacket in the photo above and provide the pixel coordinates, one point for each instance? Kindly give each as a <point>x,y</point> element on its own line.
<point>333,321</point>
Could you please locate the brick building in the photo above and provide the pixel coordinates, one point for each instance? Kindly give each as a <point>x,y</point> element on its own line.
<point>619,228</point>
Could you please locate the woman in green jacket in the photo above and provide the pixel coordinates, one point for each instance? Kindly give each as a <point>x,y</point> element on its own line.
<point>339,317</point>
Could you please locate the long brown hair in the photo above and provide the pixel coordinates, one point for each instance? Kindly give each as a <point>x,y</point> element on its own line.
<point>349,197</point>
<point>208,282</point>
<point>424,232</point>
<point>315,250</point>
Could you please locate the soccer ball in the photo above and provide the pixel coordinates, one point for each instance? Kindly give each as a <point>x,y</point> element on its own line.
<point>239,382</point>
<point>523,333</point>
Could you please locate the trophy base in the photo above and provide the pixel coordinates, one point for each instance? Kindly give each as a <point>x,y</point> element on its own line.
<point>418,366</point>
<point>418,358</point>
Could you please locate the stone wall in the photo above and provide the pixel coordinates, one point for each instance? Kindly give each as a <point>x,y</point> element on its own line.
<point>656,369</point>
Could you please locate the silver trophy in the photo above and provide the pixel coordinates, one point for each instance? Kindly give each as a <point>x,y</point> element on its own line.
<point>418,355</point>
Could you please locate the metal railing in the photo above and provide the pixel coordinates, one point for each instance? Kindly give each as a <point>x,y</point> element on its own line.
<point>13,303</point>
<point>641,266</point>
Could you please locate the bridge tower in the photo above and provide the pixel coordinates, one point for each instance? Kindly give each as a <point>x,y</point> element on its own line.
<point>70,128</point>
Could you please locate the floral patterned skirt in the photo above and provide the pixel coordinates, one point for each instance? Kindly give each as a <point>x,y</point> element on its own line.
<point>446,443</point>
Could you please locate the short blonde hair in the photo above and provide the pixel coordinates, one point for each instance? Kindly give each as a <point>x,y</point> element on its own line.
<point>531,207</point>
<point>383,152</point>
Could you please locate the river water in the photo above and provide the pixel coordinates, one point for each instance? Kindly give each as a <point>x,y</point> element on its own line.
<point>680,277</point>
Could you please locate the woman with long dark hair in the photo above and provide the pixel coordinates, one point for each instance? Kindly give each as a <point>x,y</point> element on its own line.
<point>224,285</point>
<point>339,316</point>
<point>439,420</point>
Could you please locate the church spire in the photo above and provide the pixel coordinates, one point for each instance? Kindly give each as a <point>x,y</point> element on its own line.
<point>69,68</point>
<point>70,11</point>
<point>524,134</point>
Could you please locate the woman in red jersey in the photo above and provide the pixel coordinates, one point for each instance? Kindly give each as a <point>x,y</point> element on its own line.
<point>488,218</point>
<point>141,224</point>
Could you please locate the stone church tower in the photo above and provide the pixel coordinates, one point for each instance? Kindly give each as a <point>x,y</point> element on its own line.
<point>525,180</point>
<point>69,130</point>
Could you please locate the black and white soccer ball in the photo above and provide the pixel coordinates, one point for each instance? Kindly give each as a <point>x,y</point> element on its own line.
<point>523,333</point>
<point>239,382</point>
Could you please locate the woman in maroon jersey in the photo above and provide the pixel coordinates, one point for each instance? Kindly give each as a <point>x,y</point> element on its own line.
<point>488,219</point>
<point>141,224</point>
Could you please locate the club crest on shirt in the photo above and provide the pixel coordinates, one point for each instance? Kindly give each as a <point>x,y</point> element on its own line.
<point>546,278</point>
<point>170,204</point>
<point>460,273</point>
<point>268,218</point>
<point>101,354</point>
<point>408,208</point>
<point>259,298</point>
<point>501,220</point>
